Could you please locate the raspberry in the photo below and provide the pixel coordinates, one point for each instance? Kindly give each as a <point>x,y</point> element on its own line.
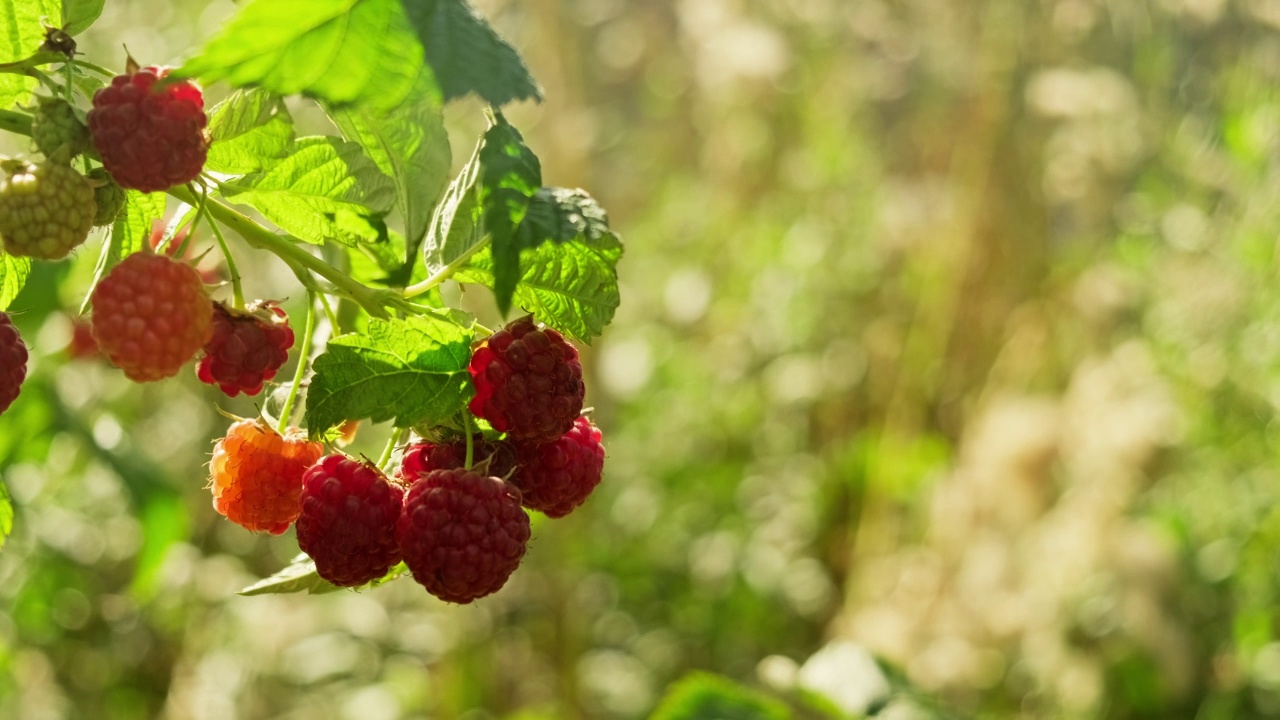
<point>256,475</point>
<point>82,345</point>
<point>13,362</point>
<point>557,477</point>
<point>247,348</point>
<point>45,209</point>
<point>58,131</point>
<point>528,382</point>
<point>150,138</point>
<point>348,520</point>
<point>421,458</point>
<point>109,196</point>
<point>462,534</point>
<point>151,315</point>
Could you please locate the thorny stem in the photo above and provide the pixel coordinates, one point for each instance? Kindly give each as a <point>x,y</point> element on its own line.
<point>304,352</point>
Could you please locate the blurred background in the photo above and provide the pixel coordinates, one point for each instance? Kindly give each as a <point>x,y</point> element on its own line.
<point>950,336</point>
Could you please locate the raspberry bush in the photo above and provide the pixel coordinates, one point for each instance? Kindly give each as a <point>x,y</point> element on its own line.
<point>375,235</point>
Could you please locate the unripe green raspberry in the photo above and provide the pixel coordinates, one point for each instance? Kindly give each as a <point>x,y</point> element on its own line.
<point>45,209</point>
<point>58,131</point>
<point>109,196</point>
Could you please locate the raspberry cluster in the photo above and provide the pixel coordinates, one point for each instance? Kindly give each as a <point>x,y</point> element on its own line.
<point>246,349</point>
<point>150,135</point>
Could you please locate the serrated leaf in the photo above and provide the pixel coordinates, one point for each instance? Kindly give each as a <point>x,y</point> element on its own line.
<point>248,132</point>
<point>6,513</point>
<point>344,52</point>
<point>14,272</point>
<point>129,234</point>
<point>410,145</point>
<point>323,188</point>
<point>456,225</point>
<point>298,576</point>
<point>510,175</point>
<point>412,370</point>
<point>703,696</point>
<point>572,286</point>
<point>78,15</point>
<point>467,55</point>
<point>22,26</point>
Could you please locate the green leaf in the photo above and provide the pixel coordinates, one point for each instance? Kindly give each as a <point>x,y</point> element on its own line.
<point>298,576</point>
<point>572,286</point>
<point>22,26</point>
<point>13,276</point>
<point>344,52</point>
<point>510,175</point>
<point>324,188</point>
<point>249,130</point>
<point>413,370</point>
<point>467,55</point>
<point>129,234</point>
<point>78,15</point>
<point>456,226</point>
<point>703,696</point>
<point>409,144</point>
<point>6,513</point>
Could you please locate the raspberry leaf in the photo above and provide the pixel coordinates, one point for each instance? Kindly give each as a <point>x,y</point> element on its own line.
<point>409,144</point>
<point>345,52</point>
<point>129,233</point>
<point>456,226</point>
<point>468,55</point>
<point>78,15</point>
<point>701,696</point>
<point>13,276</point>
<point>572,286</point>
<point>324,188</point>
<point>298,576</point>
<point>249,131</point>
<point>413,370</point>
<point>22,26</point>
<point>510,175</point>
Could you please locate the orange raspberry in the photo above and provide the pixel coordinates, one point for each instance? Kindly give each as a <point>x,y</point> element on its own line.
<point>256,475</point>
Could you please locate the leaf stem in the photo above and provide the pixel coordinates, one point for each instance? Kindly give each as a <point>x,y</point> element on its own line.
<point>304,353</point>
<point>15,122</point>
<point>237,293</point>
<point>445,272</point>
<point>392,442</point>
<point>467,428</point>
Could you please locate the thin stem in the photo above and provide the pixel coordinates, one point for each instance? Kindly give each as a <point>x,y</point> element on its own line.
<point>304,353</point>
<point>237,293</point>
<point>96,68</point>
<point>15,122</point>
<point>331,315</point>
<point>466,428</point>
<point>445,272</point>
<point>392,442</point>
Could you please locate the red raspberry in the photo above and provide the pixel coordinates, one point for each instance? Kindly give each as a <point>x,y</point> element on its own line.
<point>82,345</point>
<point>528,382</point>
<point>13,362</point>
<point>348,520</point>
<point>557,477</point>
<point>151,315</point>
<point>256,475</point>
<point>46,209</point>
<point>421,458</point>
<point>150,138</point>
<point>247,348</point>
<point>462,534</point>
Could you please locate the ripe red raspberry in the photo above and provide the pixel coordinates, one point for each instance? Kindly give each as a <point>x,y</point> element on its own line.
<point>421,458</point>
<point>557,477</point>
<point>247,348</point>
<point>348,520</point>
<point>150,138</point>
<point>462,534</point>
<point>256,475</point>
<point>58,131</point>
<point>82,345</point>
<point>151,315</point>
<point>528,382</point>
<point>46,210</point>
<point>13,362</point>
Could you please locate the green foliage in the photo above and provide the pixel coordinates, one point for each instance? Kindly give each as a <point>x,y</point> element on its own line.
<point>357,52</point>
<point>21,34</point>
<point>298,576</point>
<point>413,370</point>
<point>703,696</point>
<point>249,132</point>
<point>129,234</point>
<point>13,275</point>
<point>6,514</point>
<point>510,175</point>
<point>323,188</point>
<point>467,55</point>
<point>78,15</point>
